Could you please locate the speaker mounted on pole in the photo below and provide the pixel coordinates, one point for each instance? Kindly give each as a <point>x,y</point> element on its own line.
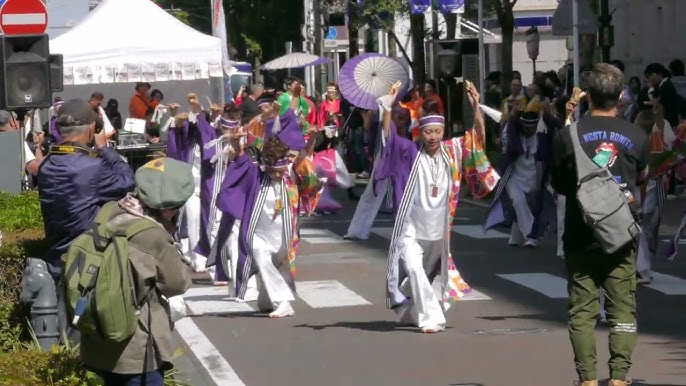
<point>25,72</point>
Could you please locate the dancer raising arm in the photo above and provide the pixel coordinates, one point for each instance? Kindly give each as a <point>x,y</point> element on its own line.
<point>426,177</point>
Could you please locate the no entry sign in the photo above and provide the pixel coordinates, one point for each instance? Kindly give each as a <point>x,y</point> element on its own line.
<point>23,17</point>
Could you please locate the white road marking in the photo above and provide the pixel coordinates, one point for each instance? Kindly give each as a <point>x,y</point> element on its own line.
<point>549,285</point>
<point>213,300</point>
<point>217,367</point>
<point>473,231</point>
<point>23,18</point>
<point>328,294</point>
<point>477,232</point>
<point>668,285</point>
<point>321,236</point>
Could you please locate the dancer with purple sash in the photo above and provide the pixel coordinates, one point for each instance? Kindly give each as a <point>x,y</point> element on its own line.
<point>426,178</point>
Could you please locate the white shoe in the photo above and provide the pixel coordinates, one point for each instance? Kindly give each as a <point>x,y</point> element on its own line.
<point>283,310</point>
<point>433,329</point>
<point>531,243</point>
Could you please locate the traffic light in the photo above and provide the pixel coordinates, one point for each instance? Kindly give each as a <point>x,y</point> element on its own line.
<point>25,72</point>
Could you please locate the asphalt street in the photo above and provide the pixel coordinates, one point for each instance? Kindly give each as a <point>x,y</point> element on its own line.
<point>510,331</point>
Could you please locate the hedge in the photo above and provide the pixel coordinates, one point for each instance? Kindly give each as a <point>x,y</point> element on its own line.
<point>22,363</point>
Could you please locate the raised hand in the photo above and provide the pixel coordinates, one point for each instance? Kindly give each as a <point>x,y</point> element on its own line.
<point>472,93</point>
<point>395,88</point>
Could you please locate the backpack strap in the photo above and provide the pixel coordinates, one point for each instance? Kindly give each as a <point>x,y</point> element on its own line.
<point>101,233</point>
<point>584,165</point>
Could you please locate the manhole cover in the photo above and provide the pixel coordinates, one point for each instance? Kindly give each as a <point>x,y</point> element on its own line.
<point>510,331</point>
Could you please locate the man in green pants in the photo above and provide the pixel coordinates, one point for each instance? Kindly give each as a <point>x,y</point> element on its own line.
<point>623,148</point>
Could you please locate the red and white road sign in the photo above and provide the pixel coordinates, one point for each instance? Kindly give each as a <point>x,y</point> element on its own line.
<point>23,17</point>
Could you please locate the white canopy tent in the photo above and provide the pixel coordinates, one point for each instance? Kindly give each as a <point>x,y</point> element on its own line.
<point>126,41</point>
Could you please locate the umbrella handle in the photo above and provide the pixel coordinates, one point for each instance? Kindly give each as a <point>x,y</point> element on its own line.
<point>345,124</point>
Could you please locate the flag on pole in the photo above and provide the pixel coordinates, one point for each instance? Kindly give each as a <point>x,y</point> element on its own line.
<point>219,31</point>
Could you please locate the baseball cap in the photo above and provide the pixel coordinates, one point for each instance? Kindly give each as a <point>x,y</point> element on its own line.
<point>76,112</point>
<point>164,183</point>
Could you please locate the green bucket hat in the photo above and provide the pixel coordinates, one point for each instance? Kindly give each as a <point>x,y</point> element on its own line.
<point>164,183</point>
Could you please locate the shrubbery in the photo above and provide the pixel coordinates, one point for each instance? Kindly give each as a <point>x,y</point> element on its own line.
<point>21,362</point>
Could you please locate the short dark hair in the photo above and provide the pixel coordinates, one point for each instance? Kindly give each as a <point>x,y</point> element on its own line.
<point>677,67</point>
<point>274,150</point>
<point>656,68</point>
<point>97,96</point>
<point>619,64</point>
<point>431,107</point>
<point>291,80</point>
<point>605,86</point>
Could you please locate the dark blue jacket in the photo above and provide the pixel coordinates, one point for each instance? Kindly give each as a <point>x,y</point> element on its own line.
<point>72,188</point>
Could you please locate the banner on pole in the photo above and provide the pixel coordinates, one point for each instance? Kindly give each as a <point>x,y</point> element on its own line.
<point>451,6</point>
<point>418,7</point>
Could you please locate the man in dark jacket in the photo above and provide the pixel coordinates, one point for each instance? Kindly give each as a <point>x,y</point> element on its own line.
<point>74,181</point>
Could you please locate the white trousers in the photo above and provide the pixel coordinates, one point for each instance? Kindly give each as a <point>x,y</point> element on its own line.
<point>644,255</point>
<point>561,207</point>
<point>231,267</point>
<point>525,219</point>
<point>192,215</point>
<point>271,285</point>
<point>366,211</point>
<point>424,309</point>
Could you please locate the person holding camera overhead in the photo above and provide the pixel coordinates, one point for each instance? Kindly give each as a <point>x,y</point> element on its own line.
<point>76,178</point>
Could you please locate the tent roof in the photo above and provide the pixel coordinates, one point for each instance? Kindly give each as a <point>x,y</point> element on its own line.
<point>120,32</point>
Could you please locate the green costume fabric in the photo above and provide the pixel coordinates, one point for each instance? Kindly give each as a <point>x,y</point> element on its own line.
<point>616,275</point>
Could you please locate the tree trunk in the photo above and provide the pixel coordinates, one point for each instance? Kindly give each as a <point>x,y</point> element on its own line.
<point>507,32</point>
<point>419,62</point>
<point>450,25</point>
<point>353,30</point>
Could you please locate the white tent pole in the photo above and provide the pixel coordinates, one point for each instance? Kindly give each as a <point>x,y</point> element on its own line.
<point>482,54</point>
<point>575,38</point>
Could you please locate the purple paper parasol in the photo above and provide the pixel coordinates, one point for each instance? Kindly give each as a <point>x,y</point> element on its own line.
<point>365,78</point>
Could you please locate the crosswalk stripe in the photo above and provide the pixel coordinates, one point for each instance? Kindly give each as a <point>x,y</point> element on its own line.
<point>213,300</point>
<point>474,295</point>
<point>668,285</point>
<point>549,285</point>
<point>328,294</point>
<point>320,236</point>
<point>473,231</point>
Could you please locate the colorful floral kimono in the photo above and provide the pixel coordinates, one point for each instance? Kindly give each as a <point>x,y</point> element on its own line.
<point>242,196</point>
<point>399,164</point>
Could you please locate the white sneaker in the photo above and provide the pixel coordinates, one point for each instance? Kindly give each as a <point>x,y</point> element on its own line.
<point>433,329</point>
<point>531,243</point>
<point>283,310</point>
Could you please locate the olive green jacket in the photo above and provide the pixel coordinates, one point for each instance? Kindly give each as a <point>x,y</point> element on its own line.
<point>157,261</point>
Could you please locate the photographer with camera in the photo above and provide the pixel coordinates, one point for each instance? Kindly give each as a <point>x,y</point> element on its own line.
<point>76,178</point>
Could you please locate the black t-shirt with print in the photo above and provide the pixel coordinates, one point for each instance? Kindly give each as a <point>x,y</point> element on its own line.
<point>609,141</point>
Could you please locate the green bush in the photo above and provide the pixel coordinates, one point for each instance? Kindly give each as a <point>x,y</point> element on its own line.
<point>32,367</point>
<point>22,235</point>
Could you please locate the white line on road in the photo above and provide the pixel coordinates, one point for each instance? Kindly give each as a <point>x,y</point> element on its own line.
<point>549,285</point>
<point>474,295</point>
<point>668,285</point>
<point>213,300</point>
<point>23,18</point>
<point>328,294</point>
<point>321,236</point>
<point>217,367</point>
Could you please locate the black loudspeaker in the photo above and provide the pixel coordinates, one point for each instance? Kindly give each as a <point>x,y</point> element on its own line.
<point>25,72</point>
<point>56,73</point>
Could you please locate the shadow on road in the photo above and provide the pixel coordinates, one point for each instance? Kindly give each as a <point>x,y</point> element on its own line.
<point>373,326</point>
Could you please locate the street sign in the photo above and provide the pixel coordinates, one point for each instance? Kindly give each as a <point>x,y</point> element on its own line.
<point>23,17</point>
<point>330,43</point>
<point>332,34</point>
<point>562,18</point>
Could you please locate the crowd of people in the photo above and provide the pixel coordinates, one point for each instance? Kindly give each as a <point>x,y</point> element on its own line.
<point>227,196</point>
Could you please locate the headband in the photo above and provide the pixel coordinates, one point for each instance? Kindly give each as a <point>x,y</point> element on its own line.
<point>229,124</point>
<point>526,121</point>
<point>280,164</point>
<point>431,120</point>
<point>331,88</point>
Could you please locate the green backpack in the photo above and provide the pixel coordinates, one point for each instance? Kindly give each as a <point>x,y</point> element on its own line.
<point>98,280</point>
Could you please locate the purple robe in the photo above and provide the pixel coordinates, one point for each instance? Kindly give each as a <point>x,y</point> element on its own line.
<point>395,164</point>
<point>181,141</point>
<point>236,200</point>
<point>500,211</point>
<point>53,130</point>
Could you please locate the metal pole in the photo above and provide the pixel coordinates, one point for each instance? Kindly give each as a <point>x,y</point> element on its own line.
<point>482,54</point>
<point>575,39</point>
